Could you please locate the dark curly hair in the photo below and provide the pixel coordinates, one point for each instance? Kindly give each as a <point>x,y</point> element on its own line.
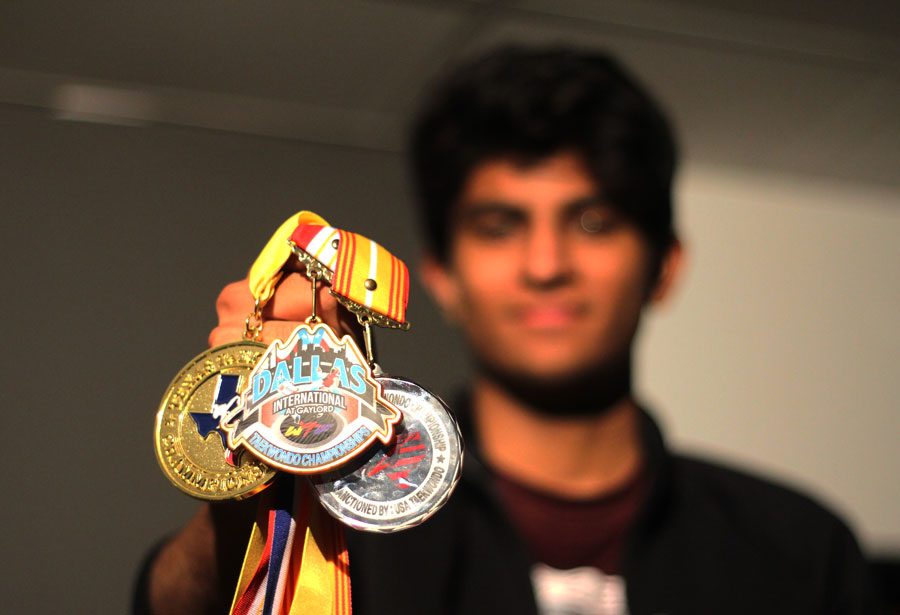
<point>529,103</point>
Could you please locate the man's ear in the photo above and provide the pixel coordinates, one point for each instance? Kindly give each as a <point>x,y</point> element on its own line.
<point>669,273</point>
<point>441,284</point>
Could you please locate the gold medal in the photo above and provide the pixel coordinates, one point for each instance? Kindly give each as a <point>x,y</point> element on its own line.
<point>190,445</point>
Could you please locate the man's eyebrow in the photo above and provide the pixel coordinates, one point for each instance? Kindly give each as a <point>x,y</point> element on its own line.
<point>471,209</point>
<point>468,210</point>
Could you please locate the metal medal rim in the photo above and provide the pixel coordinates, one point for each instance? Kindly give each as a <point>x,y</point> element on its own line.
<point>158,425</point>
<point>328,501</point>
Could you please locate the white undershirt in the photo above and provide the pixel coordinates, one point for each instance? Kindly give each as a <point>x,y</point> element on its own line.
<point>578,591</point>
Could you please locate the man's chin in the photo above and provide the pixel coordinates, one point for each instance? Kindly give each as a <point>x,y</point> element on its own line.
<point>583,390</point>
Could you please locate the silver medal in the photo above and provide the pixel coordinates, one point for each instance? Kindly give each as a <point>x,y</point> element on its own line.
<point>404,483</point>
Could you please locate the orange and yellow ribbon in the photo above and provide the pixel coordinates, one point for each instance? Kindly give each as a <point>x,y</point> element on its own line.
<point>362,271</point>
<point>267,268</point>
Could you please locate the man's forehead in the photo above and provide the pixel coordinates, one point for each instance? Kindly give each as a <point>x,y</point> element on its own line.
<point>547,182</point>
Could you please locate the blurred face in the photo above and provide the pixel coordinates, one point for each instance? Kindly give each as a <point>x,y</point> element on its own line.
<point>543,277</point>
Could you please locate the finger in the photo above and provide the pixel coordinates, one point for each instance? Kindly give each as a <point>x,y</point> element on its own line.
<point>234,303</point>
<point>293,302</point>
<point>292,299</point>
<point>225,334</point>
<point>278,330</point>
<point>290,305</point>
<point>281,330</point>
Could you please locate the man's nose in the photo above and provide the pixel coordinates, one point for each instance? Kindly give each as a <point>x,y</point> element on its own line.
<point>547,259</point>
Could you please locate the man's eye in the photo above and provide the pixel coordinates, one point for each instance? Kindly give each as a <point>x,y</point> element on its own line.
<point>595,220</point>
<point>492,226</point>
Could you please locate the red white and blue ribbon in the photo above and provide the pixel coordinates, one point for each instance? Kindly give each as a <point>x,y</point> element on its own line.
<point>265,592</point>
<point>297,561</point>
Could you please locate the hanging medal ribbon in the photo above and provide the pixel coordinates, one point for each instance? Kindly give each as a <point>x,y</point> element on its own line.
<point>369,275</point>
<point>296,560</point>
<point>320,564</point>
<point>268,268</point>
<point>318,244</point>
<point>258,592</point>
<point>364,276</point>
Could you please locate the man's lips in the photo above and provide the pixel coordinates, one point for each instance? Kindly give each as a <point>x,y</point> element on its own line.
<point>547,315</point>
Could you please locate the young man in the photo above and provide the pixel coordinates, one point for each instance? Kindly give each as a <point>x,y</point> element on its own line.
<point>545,180</point>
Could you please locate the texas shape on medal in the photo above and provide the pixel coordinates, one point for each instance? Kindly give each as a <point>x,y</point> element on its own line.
<point>225,399</point>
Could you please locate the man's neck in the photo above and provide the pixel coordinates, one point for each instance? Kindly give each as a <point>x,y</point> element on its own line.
<point>575,457</point>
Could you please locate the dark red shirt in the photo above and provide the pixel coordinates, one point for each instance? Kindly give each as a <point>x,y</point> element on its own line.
<point>567,533</point>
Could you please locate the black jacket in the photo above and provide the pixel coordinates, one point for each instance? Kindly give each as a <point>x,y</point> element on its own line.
<point>708,540</point>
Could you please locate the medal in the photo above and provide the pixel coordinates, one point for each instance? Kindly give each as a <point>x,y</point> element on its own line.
<point>312,403</point>
<point>403,483</point>
<point>190,447</point>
